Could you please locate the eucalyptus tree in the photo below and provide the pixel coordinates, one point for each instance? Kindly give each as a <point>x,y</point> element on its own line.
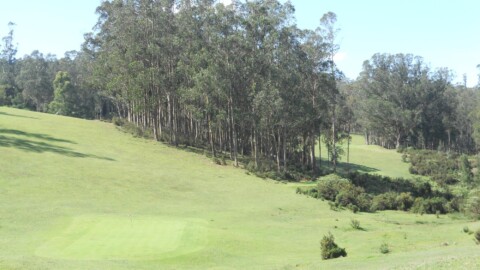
<point>406,104</point>
<point>236,79</point>
<point>65,97</point>
<point>329,32</point>
<point>35,81</point>
<point>8,68</point>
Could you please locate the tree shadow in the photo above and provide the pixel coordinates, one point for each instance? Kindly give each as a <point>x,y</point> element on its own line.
<point>42,147</point>
<point>16,115</point>
<point>344,167</point>
<point>34,135</point>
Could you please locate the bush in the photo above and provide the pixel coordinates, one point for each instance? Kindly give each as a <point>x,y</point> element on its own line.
<point>384,249</point>
<point>430,206</point>
<point>440,166</point>
<point>477,236</point>
<point>355,224</point>
<point>404,201</point>
<point>219,161</point>
<point>331,185</point>
<point>117,121</point>
<point>385,201</point>
<point>330,249</point>
<point>349,195</point>
<point>472,206</point>
<point>356,194</point>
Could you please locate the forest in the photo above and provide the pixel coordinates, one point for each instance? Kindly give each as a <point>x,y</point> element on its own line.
<point>244,83</point>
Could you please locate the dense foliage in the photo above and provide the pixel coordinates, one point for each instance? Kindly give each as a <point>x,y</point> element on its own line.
<point>403,103</point>
<point>330,250</point>
<point>370,193</point>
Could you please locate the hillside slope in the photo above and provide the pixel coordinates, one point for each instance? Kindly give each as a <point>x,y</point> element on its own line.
<point>371,159</point>
<point>77,194</point>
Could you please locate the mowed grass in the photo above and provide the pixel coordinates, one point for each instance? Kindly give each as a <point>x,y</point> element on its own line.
<point>371,159</point>
<point>99,237</point>
<point>78,194</point>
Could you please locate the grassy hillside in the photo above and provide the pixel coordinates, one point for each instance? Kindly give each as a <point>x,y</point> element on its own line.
<point>371,159</point>
<point>78,194</point>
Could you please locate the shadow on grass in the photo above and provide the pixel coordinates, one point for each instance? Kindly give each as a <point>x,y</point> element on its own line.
<point>349,167</point>
<point>41,147</point>
<point>16,115</point>
<point>33,135</point>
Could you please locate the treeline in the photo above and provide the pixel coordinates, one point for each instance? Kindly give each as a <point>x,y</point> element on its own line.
<point>29,82</point>
<point>242,81</point>
<point>401,102</point>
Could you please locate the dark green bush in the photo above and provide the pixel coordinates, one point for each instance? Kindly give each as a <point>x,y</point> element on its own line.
<point>385,201</point>
<point>117,121</point>
<point>472,205</point>
<point>404,201</point>
<point>330,249</point>
<point>477,236</point>
<point>442,167</point>
<point>384,249</point>
<point>330,186</point>
<point>364,192</point>
<point>349,195</point>
<point>217,161</point>
<point>430,205</point>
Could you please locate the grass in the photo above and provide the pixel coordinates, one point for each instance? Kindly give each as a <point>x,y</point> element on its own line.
<point>78,194</point>
<point>370,159</point>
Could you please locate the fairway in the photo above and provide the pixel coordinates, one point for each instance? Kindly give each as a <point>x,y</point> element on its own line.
<point>115,237</point>
<point>372,159</point>
<point>77,194</point>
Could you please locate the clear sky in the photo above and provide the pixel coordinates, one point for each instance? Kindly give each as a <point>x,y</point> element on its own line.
<point>443,32</point>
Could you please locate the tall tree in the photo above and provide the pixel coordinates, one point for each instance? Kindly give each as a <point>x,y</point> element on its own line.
<point>65,97</point>
<point>8,69</point>
<point>35,81</point>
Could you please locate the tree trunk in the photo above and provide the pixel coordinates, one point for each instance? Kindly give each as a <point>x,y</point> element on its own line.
<point>334,140</point>
<point>312,152</point>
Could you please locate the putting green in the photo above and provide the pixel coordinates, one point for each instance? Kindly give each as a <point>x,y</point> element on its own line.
<point>99,237</point>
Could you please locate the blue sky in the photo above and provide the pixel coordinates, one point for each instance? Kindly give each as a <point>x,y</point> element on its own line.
<point>443,32</point>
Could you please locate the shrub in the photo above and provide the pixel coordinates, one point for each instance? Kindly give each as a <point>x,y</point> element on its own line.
<point>385,201</point>
<point>465,170</point>
<point>472,206</point>
<point>404,201</point>
<point>330,249</point>
<point>423,189</point>
<point>349,195</point>
<point>117,121</point>
<point>477,236</point>
<point>331,185</point>
<point>353,208</point>
<point>364,201</point>
<point>430,205</point>
<point>384,249</point>
<point>218,161</point>
<point>355,224</point>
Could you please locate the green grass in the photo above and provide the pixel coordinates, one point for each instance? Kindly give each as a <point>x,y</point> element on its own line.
<point>99,237</point>
<point>78,194</point>
<point>371,159</point>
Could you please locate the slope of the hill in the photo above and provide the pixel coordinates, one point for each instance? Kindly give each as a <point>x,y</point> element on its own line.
<point>78,194</point>
<point>371,159</point>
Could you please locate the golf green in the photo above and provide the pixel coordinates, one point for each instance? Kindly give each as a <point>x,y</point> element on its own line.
<point>104,237</point>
